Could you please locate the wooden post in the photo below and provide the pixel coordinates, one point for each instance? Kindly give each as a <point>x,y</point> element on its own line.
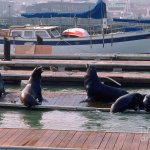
<point>6,49</point>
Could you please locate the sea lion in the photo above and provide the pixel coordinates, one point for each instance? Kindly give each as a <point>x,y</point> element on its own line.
<point>32,90</point>
<point>2,88</point>
<point>98,91</point>
<point>146,102</point>
<point>128,101</point>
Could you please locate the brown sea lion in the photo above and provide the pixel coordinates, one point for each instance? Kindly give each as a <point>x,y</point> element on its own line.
<point>31,95</point>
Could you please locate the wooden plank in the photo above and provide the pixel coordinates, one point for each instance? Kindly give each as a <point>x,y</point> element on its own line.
<point>30,137</point>
<point>24,49</point>
<point>43,140</point>
<point>8,135</point>
<point>74,139</point>
<point>112,141</point>
<point>58,139</point>
<point>81,140</point>
<point>77,78</point>
<point>67,139</point>
<point>89,140</point>
<point>19,141</point>
<point>85,56</point>
<point>98,140</point>
<point>13,138</point>
<point>136,141</point>
<point>128,141</point>
<point>43,49</point>
<point>120,141</point>
<point>148,146</point>
<point>3,134</point>
<point>35,138</point>
<point>72,142</point>
<point>144,141</point>
<point>52,138</point>
<point>105,140</point>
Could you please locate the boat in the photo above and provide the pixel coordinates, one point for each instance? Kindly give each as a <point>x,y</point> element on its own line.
<point>78,40</point>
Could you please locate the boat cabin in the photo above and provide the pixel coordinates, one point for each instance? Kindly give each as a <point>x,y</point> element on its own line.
<point>30,32</point>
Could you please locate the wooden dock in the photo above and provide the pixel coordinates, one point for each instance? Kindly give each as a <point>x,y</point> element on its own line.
<point>84,56</point>
<point>56,101</point>
<point>78,65</point>
<point>71,69</point>
<point>77,77</point>
<point>127,69</point>
<point>72,140</point>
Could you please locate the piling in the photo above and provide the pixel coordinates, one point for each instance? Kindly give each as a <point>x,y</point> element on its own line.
<point>39,40</point>
<point>6,49</point>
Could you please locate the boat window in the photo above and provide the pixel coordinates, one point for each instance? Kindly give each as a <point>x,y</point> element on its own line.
<point>42,34</point>
<point>55,33</point>
<point>16,33</point>
<point>28,34</point>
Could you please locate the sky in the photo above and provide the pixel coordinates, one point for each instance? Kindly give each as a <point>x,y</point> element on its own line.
<point>32,1</point>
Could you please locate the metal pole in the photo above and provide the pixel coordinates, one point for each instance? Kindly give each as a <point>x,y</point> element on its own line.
<point>9,7</point>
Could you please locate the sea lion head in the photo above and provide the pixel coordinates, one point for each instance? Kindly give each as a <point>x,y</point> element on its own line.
<point>36,74</point>
<point>91,71</point>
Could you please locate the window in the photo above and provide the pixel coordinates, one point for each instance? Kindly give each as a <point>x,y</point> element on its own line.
<point>55,33</point>
<point>42,34</point>
<point>16,33</point>
<point>28,34</point>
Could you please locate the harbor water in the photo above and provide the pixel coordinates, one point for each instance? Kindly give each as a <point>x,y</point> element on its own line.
<point>74,120</point>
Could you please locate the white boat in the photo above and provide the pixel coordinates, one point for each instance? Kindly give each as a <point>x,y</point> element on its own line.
<point>78,40</point>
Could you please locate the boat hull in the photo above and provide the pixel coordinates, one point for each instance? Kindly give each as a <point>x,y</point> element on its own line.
<point>135,42</point>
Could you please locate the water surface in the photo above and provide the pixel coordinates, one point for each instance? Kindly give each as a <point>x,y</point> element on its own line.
<point>74,120</point>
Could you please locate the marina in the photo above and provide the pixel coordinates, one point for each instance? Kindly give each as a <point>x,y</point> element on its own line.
<point>85,118</point>
<point>75,88</point>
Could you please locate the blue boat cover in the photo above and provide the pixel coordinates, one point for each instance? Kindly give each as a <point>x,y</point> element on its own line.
<point>131,20</point>
<point>98,12</point>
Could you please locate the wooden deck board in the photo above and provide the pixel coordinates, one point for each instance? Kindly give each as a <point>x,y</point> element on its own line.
<point>81,140</point>
<point>77,77</point>
<point>14,137</point>
<point>98,140</point>
<point>83,56</point>
<point>89,140</point>
<point>20,139</point>
<point>128,141</point>
<point>105,140</point>
<point>136,142</point>
<point>145,139</point>
<point>43,140</point>
<point>74,139</point>
<point>112,141</point>
<point>120,141</point>
<point>59,138</point>
<point>66,139</point>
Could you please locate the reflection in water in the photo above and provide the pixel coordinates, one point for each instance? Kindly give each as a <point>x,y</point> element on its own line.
<point>31,118</point>
<point>132,122</point>
<point>11,119</point>
<point>63,120</point>
<point>75,120</point>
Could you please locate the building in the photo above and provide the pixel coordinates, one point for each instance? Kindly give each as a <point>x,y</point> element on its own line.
<point>7,9</point>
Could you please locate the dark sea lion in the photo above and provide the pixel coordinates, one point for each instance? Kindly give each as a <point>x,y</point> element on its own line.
<point>146,102</point>
<point>98,91</point>
<point>2,88</point>
<point>128,101</point>
<point>32,90</point>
